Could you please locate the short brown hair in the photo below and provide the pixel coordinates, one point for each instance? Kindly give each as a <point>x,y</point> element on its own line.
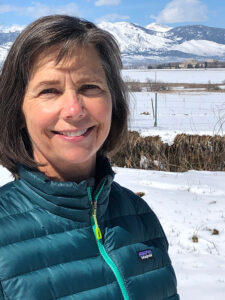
<point>68,32</point>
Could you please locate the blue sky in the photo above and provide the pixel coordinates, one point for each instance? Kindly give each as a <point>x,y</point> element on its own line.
<point>142,12</point>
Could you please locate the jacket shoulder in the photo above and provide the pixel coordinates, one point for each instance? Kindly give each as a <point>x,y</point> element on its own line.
<point>6,188</point>
<point>132,205</point>
<point>12,201</point>
<point>128,200</point>
<point>132,212</point>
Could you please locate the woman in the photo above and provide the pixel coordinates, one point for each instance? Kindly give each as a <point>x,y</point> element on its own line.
<point>67,230</point>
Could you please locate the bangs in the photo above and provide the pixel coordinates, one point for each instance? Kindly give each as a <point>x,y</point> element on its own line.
<point>67,48</point>
<point>66,51</point>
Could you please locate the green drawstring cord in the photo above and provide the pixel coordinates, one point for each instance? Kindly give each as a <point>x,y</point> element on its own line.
<point>98,233</point>
<point>98,236</point>
<point>96,228</point>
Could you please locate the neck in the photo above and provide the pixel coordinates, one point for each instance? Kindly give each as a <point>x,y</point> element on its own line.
<point>68,172</point>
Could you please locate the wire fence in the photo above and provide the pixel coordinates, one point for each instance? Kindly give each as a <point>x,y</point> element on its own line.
<point>192,112</point>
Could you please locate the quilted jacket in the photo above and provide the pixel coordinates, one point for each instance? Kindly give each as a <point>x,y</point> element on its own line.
<point>87,241</point>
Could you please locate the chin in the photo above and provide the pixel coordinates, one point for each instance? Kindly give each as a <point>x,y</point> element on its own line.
<point>79,157</point>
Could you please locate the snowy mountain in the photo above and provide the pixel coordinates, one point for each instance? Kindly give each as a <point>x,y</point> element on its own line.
<point>13,28</point>
<point>153,43</point>
<point>134,39</point>
<point>159,43</point>
<point>158,27</point>
<point>7,36</point>
<point>197,32</point>
<point>4,48</point>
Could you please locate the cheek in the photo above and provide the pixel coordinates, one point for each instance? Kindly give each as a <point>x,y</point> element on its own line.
<point>39,117</point>
<point>102,112</point>
<point>37,120</point>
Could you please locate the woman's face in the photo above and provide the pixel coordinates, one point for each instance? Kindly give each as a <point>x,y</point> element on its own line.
<point>67,109</point>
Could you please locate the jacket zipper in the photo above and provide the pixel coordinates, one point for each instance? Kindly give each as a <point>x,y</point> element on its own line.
<point>102,250</point>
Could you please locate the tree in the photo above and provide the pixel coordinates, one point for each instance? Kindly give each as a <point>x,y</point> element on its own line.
<point>190,66</point>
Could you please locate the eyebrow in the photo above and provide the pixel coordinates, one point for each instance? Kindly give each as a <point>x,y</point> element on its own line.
<point>94,79</point>
<point>46,82</point>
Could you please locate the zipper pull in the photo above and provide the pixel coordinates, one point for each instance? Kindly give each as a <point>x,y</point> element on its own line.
<point>98,233</point>
<point>97,229</point>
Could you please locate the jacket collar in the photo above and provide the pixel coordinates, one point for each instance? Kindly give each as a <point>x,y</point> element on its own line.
<point>68,199</point>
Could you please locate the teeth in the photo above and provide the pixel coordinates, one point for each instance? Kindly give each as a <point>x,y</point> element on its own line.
<point>77,133</point>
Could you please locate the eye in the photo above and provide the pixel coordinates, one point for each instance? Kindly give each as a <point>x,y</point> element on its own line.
<point>49,91</point>
<point>90,90</point>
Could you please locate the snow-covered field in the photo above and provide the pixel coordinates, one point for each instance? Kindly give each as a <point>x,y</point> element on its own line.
<point>176,75</point>
<point>198,112</point>
<point>190,204</point>
<point>184,112</point>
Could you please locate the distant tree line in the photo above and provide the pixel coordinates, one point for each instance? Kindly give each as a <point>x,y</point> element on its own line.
<point>189,64</point>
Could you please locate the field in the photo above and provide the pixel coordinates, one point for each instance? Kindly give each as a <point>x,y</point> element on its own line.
<point>184,112</point>
<point>190,205</point>
<point>177,75</point>
<point>195,112</point>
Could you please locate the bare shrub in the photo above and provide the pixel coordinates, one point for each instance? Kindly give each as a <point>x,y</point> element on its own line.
<point>140,194</point>
<point>145,113</point>
<point>195,238</point>
<point>187,152</point>
<point>197,152</point>
<point>138,147</point>
<point>215,231</point>
<point>212,87</point>
<point>134,86</point>
<point>157,86</point>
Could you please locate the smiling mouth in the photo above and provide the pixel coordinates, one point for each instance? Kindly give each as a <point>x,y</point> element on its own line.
<point>74,133</point>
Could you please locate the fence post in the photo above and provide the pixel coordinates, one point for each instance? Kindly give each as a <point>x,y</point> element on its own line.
<point>155,124</point>
<point>153,111</point>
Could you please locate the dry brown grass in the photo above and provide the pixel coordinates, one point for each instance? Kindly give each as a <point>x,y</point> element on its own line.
<point>134,86</point>
<point>187,152</point>
<point>163,87</point>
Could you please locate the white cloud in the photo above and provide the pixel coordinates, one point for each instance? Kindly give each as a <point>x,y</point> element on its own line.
<point>107,2</point>
<point>112,18</point>
<point>4,8</point>
<point>178,11</point>
<point>37,9</point>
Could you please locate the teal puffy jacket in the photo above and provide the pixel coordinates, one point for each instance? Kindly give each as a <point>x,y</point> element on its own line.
<point>68,241</point>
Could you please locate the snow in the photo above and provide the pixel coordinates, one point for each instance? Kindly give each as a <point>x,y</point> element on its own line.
<point>176,75</point>
<point>12,28</point>
<point>132,38</point>
<point>156,42</point>
<point>4,50</point>
<point>158,27</point>
<point>5,176</point>
<point>192,203</point>
<point>199,113</point>
<point>189,204</point>
<point>179,112</point>
<point>201,47</point>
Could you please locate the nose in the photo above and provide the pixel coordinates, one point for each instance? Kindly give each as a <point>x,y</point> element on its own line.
<point>72,106</point>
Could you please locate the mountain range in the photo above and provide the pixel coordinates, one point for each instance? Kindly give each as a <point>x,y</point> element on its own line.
<point>153,43</point>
